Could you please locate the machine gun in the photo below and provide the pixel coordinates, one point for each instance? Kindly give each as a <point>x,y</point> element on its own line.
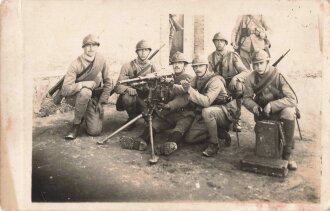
<point>157,85</point>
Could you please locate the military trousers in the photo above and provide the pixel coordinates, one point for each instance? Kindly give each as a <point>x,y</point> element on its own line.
<point>134,105</point>
<point>85,105</point>
<point>205,125</point>
<point>177,121</point>
<point>246,58</point>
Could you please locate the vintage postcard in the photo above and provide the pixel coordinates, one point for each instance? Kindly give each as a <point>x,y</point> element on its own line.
<point>164,105</point>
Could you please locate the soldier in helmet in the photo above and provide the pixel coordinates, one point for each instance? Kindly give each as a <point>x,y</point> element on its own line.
<point>131,99</point>
<point>250,33</point>
<point>213,108</point>
<point>269,96</point>
<point>229,65</point>
<point>179,120</point>
<point>88,91</point>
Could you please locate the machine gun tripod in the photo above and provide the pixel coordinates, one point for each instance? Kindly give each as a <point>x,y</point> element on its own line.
<point>156,84</point>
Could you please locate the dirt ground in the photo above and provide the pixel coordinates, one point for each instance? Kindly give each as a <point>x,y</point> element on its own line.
<point>80,170</point>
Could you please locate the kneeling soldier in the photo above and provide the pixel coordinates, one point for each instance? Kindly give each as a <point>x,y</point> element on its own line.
<point>229,65</point>
<point>177,120</point>
<point>87,85</point>
<point>131,99</point>
<point>213,108</point>
<point>269,96</point>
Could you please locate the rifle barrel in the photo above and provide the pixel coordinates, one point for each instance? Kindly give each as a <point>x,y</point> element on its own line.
<point>279,59</point>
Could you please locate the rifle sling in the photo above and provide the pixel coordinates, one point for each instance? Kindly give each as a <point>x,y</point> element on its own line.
<point>143,70</point>
<point>265,81</point>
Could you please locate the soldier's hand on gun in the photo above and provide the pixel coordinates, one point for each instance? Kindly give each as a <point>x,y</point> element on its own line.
<point>166,107</point>
<point>89,84</point>
<point>131,91</point>
<point>99,108</point>
<point>185,84</point>
<point>267,109</point>
<point>257,110</point>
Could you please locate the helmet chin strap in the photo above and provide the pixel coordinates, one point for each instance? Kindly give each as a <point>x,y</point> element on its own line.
<point>205,71</point>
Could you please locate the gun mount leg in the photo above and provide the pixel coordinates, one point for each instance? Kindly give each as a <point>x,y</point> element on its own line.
<point>104,141</point>
<point>154,158</point>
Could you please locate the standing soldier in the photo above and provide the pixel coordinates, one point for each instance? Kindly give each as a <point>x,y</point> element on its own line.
<point>131,99</point>
<point>213,108</point>
<point>87,85</point>
<point>179,120</point>
<point>228,64</point>
<point>268,93</point>
<point>249,34</point>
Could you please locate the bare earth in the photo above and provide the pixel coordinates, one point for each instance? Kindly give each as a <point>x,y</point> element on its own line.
<point>80,170</point>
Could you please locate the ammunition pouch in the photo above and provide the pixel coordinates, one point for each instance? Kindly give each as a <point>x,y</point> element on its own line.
<point>96,93</point>
<point>222,101</point>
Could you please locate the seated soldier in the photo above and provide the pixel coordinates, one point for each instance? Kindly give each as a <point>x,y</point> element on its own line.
<point>131,99</point>
<point>177,120</point>
<point>214,110</point>
<point>269,96</point>
<point>80,90</point>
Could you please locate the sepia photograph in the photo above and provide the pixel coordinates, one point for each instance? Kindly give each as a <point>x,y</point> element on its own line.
<point>140,103</point>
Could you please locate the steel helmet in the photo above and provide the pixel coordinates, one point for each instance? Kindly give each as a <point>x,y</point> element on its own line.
<point>259,56</point>
<point>90,39</point>
<point>219,36</point>
<point>199,60</point>
<point>179,57</point>
<point>142,44</point>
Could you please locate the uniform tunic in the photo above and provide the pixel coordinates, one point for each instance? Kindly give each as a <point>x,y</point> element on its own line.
<point>81,98</point>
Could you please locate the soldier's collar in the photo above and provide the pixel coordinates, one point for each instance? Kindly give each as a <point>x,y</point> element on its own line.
<point>140,62</point>
<point>222,53</point>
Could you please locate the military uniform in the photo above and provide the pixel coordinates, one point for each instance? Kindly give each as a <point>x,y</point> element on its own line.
<point>246,36</point>
<point>280,97</point>
<point>229,65</point>
<point>178,119</point>
<point>209,105</point>
<point>84,98</point>
<point>133,104</point>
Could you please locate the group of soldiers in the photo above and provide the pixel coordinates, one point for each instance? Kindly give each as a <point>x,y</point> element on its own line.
<point>203,107</point>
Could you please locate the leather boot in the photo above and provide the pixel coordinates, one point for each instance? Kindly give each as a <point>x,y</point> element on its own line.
<point>211,150</point>
<point>288,128</point>
<point>130,117</point>
<point>225,139</point>
<point>73,132</point>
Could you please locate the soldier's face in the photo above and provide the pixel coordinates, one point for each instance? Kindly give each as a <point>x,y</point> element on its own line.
<point>260,67</point>
<point>143,54</point>
<point>178,67</point>
<point>200,70</point>
<point>90,49</point>
<point>219,44</point>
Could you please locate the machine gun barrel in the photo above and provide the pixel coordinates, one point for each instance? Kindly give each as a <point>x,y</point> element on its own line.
<point>148,77</point>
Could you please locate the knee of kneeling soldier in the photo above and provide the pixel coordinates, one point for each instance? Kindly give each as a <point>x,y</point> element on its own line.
<point>129,100</point>
<point>85,93</point>
<point>94,131</point>
<point>288,113</point>
<point>207,113</point>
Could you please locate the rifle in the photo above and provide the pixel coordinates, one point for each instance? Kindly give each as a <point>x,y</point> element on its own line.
<point>157,85</point>
<point>279,59</point>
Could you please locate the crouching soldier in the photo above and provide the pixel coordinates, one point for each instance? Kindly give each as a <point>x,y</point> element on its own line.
<point>229,65</point>
<point>179,120</point>
<point>87,85</point>
<point>132,99</point>
<point>213,108</point>
<point>269,96</point>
